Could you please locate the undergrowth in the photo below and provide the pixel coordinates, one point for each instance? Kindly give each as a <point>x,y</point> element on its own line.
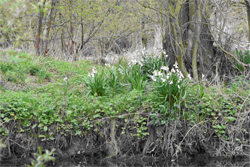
<point>42,99</point>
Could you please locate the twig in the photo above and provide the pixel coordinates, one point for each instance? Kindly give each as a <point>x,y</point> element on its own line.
<point>186,136</point>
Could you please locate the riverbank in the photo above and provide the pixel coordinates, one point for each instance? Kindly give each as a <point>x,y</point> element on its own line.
<point>121,110</point>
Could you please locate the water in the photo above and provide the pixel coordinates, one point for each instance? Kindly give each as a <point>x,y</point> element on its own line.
<point>148,162</point>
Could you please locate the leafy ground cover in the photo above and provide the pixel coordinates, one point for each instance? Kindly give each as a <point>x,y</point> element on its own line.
<point>118,110</point>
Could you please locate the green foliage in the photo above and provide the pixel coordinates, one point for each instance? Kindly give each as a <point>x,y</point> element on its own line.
<point>135,77</point>
<point>96,83</point>
<point>16,68</point>
<point>114,80</point>
<point>42,158</point>
<point>170,86</point>
<point>141,126</point>
<point>76,102</point>
<point>1,144</point>
<point>243,57</point>
<point>152,63</point>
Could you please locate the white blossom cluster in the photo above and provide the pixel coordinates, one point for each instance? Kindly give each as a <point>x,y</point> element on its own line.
<point>175,70</point>
<point>133,62</point>
<point>121,70</point>
<point>93,72</point>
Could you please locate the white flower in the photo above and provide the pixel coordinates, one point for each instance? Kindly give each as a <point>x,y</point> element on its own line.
<point>203,78</point>
<point>94,70</point>
<point>168,76</point>
<point>179,86</point>
<point>176,65</point>
<point>120,70</point>
<point>153,78</point>
<point>173,70</point>
<point>108,65</point>
<point>91,75</point>
<point>163,80</point>
<point>139,62</point>
<point>181,75</point>
<point>155,73</point>
<point>189,76</point>
<point>160,74</point>
<point>171,82</point>
<point>165,68</point>
<point>65,79</point>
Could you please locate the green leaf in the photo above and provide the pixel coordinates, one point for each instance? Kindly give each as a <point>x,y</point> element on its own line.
<point>41,136</point>
<point>217,126</point>
<point>34,126</point>
<point>6,119</point>
<point>51,138</point>
<point>120,116</point>
<point>78,132</point>
<point>230,119</point>
<point>45,128</point>
<point>69,112</point>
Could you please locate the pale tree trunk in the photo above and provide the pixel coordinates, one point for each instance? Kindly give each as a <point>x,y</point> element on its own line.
<point>196,39</point>
<point>62,34</point>
<point>248,18</point>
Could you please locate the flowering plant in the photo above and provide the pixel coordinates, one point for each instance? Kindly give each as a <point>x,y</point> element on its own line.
<point>151,63</point>
<point>169,85</point>
<point>135,77</point>
<point>96,83</point>
<point>114,77</point>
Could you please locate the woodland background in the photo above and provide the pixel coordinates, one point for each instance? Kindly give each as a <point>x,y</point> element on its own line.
<point>200,35</point>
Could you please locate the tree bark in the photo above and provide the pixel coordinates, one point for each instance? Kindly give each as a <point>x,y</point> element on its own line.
<point>248,18</point>
<point>39,29</point>
<point>197,39</point>
<point>48,24</point>
<point>175,33</point>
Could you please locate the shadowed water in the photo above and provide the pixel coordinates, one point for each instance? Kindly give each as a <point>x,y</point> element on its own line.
<point>140,162</point>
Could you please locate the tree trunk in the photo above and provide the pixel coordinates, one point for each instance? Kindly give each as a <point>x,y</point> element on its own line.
<point>194,41</point>
<point>48,24</point>
<point>175,33</point>
<point>248,18</point>
<point>39,29</point>
<point>196,38</point>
